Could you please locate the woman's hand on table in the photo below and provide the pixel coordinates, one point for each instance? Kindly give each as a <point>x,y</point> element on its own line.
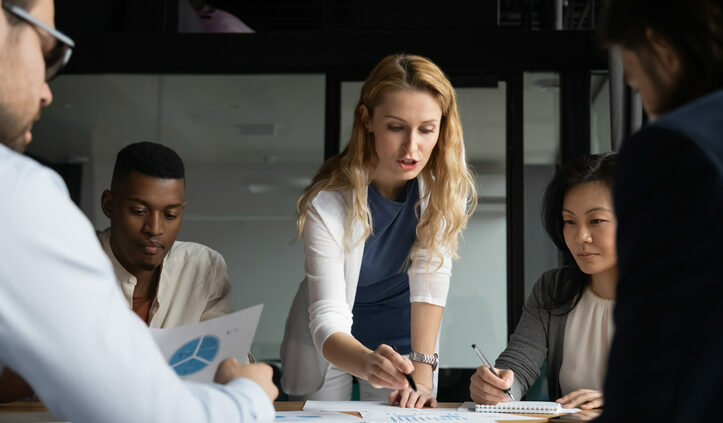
<point>585,399</point>
<point>407,398</point>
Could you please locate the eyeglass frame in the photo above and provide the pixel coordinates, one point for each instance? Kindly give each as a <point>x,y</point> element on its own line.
<point>51,71</point>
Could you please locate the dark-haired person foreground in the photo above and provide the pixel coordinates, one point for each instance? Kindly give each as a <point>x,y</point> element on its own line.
<point>167,283</point>
<point>666,361</point>
<point>567,320</point>
<point>64,326</point>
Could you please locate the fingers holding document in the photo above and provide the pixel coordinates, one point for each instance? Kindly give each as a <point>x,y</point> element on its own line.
<point>261,373</point>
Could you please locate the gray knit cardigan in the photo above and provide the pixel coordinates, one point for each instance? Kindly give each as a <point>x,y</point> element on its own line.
<point>539,336</point>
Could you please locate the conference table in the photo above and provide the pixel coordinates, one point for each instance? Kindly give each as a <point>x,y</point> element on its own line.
<point>297,405</point>
<point>38,407</point>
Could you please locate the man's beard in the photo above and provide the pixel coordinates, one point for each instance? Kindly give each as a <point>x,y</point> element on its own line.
<point>147,267</point>
<point>16,141</point>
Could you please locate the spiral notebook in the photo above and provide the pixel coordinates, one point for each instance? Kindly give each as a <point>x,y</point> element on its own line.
<point>531,407</point>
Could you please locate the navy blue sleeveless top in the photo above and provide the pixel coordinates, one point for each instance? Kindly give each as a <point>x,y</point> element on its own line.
<point>382,311</point>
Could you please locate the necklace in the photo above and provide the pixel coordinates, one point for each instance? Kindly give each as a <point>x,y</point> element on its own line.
<point>598,296</point>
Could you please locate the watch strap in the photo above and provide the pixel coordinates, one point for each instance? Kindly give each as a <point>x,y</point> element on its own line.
<point>432,360</point>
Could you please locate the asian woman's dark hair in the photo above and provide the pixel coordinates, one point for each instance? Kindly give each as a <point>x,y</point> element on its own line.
<point>596,167</point>
<point>694,28</point>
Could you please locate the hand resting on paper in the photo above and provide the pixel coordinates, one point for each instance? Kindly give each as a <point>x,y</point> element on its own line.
<point>424,379</point>
<point>486,388</point>
<point>407,398</point>
<point>585,399</point>
<point>261,373</point>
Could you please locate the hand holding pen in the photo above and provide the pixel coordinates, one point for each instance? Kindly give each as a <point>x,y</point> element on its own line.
<point>489,386</point>
<point>385,368</point>
<point>408,375</point>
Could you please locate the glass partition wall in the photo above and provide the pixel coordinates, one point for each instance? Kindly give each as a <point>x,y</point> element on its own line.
<point>252,142</point>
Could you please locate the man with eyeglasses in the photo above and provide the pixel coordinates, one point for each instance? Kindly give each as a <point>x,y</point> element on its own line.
<point>64,325</point>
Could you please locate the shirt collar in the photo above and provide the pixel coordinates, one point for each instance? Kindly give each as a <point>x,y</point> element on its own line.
<point>123,275</point>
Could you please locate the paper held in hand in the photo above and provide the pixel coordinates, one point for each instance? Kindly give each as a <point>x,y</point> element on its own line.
<point>195,351</point>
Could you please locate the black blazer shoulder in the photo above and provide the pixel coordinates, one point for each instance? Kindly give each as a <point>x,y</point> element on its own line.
<point>668,197</point>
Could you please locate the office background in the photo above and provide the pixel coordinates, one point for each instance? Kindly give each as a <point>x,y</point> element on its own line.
<point>254,115</point>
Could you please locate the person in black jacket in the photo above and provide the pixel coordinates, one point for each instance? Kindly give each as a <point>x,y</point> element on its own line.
<point>666,359</point>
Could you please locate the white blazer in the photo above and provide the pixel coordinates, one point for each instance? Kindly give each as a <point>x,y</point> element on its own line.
<point>325,298</point>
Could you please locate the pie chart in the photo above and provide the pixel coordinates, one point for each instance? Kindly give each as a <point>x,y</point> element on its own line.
<point>194,355</point>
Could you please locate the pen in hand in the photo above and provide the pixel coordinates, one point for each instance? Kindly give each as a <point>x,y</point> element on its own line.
<point>407,375</point>
<point>489,366</point>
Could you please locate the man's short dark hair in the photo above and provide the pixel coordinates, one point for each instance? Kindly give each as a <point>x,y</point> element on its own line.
<point>694,28</point>
<point>149,158</point>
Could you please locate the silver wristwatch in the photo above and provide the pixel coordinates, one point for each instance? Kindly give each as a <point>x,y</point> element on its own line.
<point>425,358</point>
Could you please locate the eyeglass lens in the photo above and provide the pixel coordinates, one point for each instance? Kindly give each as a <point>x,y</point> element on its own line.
<point>56,59</point>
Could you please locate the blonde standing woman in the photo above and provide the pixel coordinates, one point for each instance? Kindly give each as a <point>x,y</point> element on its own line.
<point>380,223</point>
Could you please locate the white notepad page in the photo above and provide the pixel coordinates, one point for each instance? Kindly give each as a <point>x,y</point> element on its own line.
<point>532,407</point>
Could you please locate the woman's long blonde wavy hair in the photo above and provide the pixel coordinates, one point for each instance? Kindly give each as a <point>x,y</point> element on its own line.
<point>449,183</point>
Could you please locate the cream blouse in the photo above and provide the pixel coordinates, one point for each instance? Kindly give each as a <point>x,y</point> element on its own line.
<point>588,332</point>
<point>193,286</point>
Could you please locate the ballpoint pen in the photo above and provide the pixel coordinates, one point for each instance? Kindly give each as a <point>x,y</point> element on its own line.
<point>489,366</point>
<point>407,375</point>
